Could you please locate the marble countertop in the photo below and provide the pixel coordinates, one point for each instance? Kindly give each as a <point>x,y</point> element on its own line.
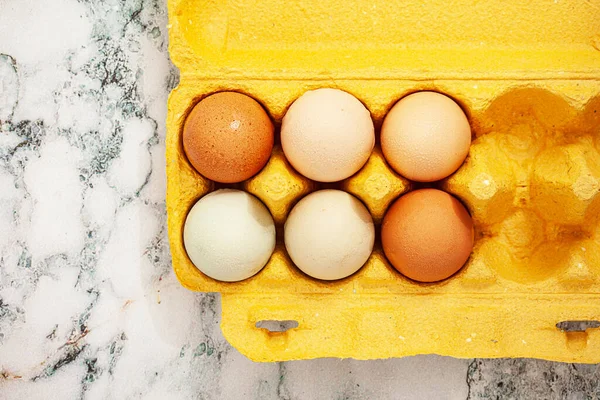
<point>89,305</point>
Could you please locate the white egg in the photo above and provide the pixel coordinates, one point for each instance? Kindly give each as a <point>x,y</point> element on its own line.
<point>229,235</point>
<point>329,234</point>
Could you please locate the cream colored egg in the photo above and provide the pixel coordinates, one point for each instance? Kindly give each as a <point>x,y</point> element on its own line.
<point>426,136</point>
<point>229,235</point>
<point>329,234</point>
<point>327,135</point>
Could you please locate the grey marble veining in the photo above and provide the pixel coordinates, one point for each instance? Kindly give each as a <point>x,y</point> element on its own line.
<point>89,305</point>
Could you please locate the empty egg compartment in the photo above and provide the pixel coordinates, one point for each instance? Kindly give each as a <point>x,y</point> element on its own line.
<point>531,181</point>
<point>532,185</point>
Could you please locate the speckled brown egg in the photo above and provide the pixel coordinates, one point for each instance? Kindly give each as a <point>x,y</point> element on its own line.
<point>228,137</point>
<point>427,235</point>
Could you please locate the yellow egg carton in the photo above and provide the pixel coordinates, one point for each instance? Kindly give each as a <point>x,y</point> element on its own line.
<point>528,76</point>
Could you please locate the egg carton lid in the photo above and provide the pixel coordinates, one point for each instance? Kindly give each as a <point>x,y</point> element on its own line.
<point>379,39</point>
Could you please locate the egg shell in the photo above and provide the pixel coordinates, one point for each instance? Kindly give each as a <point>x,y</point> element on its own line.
<point>425,136</point>
<point>329,234</point>
<point>229,235</point>
<point>327,135</point>
<point>228,137</point>
<point>427,235</point>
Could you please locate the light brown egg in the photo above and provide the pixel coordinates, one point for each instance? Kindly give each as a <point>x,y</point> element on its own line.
<point>327,135</point>
<point>426,136</point>
<point>427,235</point>
<point>228,137</point>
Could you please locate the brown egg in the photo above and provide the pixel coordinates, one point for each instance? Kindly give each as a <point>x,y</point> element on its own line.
<point>228,137</point>
<point>427,235</point>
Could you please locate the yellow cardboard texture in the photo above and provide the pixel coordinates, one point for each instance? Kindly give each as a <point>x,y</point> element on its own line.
<point>528,76</point>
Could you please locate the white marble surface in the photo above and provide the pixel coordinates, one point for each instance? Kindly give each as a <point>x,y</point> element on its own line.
<point>89,305</point>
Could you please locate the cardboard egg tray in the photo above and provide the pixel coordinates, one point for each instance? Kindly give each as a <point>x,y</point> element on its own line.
<point>527,75</point>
